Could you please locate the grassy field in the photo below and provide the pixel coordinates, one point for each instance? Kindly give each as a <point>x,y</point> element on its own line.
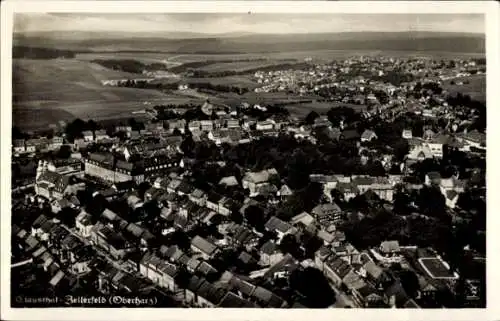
<point>238,66</point>
<point>239,81</point>
<point>72,88</point>
<point>476,88</point>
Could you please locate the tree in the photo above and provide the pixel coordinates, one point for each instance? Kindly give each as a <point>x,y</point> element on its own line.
<point>290,245</point>
<point>255,217</point>
<point>409,281</point>
<point>64,152</point>
<point>314,286</point>
<point>311,117</point>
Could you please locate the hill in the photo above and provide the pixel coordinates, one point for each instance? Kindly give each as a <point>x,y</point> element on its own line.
<point>188,43</point>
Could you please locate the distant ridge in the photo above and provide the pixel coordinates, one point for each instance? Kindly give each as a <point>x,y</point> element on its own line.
<point>255,43</point>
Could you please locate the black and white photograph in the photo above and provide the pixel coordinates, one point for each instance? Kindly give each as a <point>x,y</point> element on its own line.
<point>258,160</point>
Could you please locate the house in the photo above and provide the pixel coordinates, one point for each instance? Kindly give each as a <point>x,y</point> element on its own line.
<point>159,271</point>
<point>41,227</point>
<point>110,240</point>
<point>254,180</point>
<point>270,254</point>
<point>428,134</point>
<point>101,135</point>
<point>198,197</point>
<point>284,192</point>
<point>451,198</point>
<point>327,213</point>
<point>264,125</point>
<point>407,134</point>
<point>303,218</point>
<point>432,178</point>
<point>379,185</point>
<point>179,124</point>
<point>83,224</point>
<point>389,247</point>
<point>229,181</point>
<point>419,152</point>
<point>368,135</point>
<point>52,185</point>
<point>232,123</point>
<point>354,283</point>
<point>348,190</point>
<point>207,249</point>
<point>206,125</point>
<point>281,228</point>
<point>88,136</point>
<point>213,200</point>
<point>336,269</point>
<point>18,145</point>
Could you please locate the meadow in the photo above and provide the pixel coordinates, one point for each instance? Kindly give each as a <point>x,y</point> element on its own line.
<point>476,87</point>
<point>45,91</point>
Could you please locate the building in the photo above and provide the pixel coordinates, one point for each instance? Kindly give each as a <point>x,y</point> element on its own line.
<point>280,227</point>
<point>327,213</point>
<point>161,272</point>
<point>105,167</point>
<point>368,135</point>
<point>205,248</point>
<point>253,181</point>
<point>379,185</point>
<point>88,136</point>
<point>53,185</point>
<point>270,254</point>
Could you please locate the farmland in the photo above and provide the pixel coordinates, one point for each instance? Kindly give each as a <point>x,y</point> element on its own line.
<point>72,88</point>
<point>475,88</point>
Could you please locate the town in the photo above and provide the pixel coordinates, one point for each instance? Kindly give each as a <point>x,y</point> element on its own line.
<point>377,202</point>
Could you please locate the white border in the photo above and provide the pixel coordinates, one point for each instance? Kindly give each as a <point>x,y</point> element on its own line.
<point>490,8</point>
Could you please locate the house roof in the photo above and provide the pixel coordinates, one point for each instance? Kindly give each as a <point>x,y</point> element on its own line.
<point>203,245</point>
<point>260,177</point>
<point>197,193</point>
<point>59,181</point>
<point>229,181</point>
<point>325,236</point>
<point>367,134</point>
<point>353,281</point>
<point>339,266</point>
<point>285,190</point>
<point>373,269</point>
<point>205,268</point>
<point>389,246</point>
<point>325,209</point>
<point>304,218</point>
<point>275,224</point>
<point>269,248</point>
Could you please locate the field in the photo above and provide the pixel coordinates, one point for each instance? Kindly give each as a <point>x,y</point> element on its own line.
<point>142,57</point>
<point>435,268</point>
<point>48,90</point>
<point>237,81</point>
<point>476,88</point>
<point>240,66</point>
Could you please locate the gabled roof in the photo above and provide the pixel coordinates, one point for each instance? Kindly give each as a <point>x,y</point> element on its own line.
<point>389,246</point>
<point>325,209</point>
<point>373,269</point>
<point>269,248</point>
<point>203,245</point>
<point>275,224</point>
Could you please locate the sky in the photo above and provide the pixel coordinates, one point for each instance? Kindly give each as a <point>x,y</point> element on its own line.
<point>212,23</point>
